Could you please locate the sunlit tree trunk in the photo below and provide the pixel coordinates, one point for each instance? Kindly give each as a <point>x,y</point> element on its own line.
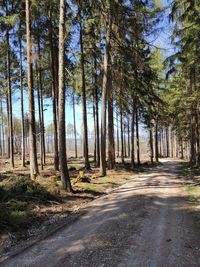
<point>7,134</point>
<point>156,140</point>
<point>54,92</point>
<point>105,89</point>
<point>84,106</point>
<point>117,134</point>
<point>111,143</point>
<point>32,132</point>
<point>97,113</point>
<point>95,134</point>
<point>167,141</point>
<point>40,119</point>
<point>133,136</point>
<point>151,144</point>
<point>61,89</point>
<point>125,145</point>
<point>74,118</point>
<point>10,114</point>
<point>128,131</point>
<point>137,135</point>
<point>2,128</point>
<point>122,135</point>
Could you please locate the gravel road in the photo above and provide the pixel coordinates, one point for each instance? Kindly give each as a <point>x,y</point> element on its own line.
<point>144,223</point>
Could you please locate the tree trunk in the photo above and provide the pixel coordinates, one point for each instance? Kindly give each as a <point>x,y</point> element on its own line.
<point>84,107</point>
<point>10,117</point>
<point>22,103</point>
<point>151,144</point>
<point>156,141</point>
<point>40,117</point>
<point>122,135</point>
<point>32,133</point>
<point>125,154</point>
<point>192,126</point>
<point>128,131</point>
<point>97,113</point>
<point>95,130</point>
<point>7,134</point>
<point>133,137</point>
<point>117,135</point>
<point>182,151</point>
<point>172,143</point>
<point>74,117</point>
<point>197,140</point>
<point>167,141</point>
<point>137,136</point>
<point>2,128</point>
<point>54,93</point>
<point>1,145</point>
<point>111,142</point>
<point>105,89</point>
<point>42,122</point>
<point>61,81</point>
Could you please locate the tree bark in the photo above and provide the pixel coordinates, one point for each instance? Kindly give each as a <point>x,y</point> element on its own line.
<point>111,143</point>
<point>22,103</point>
<point>97,113</point>
<point>125,154</point>
<point>2,128</point>
<point>117,134</point>
<point>197,139</point>
<point>39,114</point>
<point>95,130</point>
<point>74,117</point>
<point>61,81</point>
<point>167,141</point>
<point>122,135</point>
<point>137,136</point>
<point>133,137</point>
<point>84,106</point>
<point>10,117</point>
<point>32,132</point>
<point>128,131</point>
<point>156,141</point>
<point>151,144</point>
<point>105,88</point>
<point>192,126</point>
<point>54,93</point>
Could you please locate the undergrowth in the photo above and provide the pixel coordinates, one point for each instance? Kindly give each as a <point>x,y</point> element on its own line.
<point>18,197</point>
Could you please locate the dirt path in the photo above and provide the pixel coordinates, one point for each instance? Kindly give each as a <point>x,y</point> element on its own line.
<point>145,223</point>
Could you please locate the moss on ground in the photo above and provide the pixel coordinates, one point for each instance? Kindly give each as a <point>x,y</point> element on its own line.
<point>18,196</point>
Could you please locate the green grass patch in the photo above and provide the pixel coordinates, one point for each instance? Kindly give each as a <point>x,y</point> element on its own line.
<point>194,194</point>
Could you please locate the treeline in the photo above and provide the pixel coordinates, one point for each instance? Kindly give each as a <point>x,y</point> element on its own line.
<point>182,93</point>
<point>99,52</point>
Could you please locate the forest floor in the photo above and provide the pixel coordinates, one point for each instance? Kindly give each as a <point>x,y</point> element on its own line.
<point>151,220</point>
<point>30,210</point>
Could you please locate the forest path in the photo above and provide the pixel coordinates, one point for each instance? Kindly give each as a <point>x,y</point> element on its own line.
<point>145,223</point>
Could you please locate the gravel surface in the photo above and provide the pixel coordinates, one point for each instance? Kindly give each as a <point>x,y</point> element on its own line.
<point>144,223</point>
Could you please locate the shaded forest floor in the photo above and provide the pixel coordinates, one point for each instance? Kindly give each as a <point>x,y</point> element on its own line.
<point>31,209</point>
